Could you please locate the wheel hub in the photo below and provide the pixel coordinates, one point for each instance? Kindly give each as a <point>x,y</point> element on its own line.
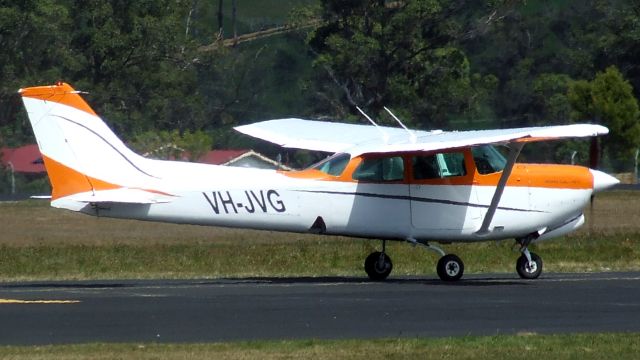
<point>381,265</point>
<point>531,267</point>
<point>452,268</point>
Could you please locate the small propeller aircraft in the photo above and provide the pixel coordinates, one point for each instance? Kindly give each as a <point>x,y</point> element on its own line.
<point>387,183</point>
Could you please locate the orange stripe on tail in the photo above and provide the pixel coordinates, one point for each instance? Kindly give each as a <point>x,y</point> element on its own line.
<point>61,93</point>
<point>66,181</point>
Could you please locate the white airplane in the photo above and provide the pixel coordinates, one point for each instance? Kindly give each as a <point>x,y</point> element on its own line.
<point>382,183</point>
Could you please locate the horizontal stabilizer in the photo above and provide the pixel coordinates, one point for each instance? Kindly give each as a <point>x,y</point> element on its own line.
<point>40,197</point>
<point>124,196</point>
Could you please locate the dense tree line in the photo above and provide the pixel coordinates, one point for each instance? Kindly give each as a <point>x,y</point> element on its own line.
<point>467,64</point>
<point>157,70</point>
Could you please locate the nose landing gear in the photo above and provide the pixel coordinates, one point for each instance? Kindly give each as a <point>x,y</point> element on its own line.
<point>529,265</point>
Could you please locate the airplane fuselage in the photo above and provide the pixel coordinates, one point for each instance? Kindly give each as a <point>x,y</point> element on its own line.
<point>443,209</point>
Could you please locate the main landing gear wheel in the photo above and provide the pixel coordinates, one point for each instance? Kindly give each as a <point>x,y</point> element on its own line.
<point>378,266</point>
<point>529,270</point>
<point>450,268</point>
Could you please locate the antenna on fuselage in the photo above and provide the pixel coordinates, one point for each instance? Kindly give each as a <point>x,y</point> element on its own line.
<point>385,136</point>
<point>412,135</point>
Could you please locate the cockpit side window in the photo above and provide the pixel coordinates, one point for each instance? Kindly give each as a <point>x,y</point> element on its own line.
<point>488,159</point>
<point>333,165</point>
<point>438,166</point>
<point>380,169</point>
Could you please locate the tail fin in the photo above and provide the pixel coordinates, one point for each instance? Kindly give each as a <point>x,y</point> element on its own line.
<point>80,152</point>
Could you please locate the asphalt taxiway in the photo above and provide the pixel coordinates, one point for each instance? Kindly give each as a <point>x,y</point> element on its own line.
<point>294,308</point>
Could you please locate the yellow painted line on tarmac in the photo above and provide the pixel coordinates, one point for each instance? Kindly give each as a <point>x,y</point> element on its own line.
<point>18,301</point>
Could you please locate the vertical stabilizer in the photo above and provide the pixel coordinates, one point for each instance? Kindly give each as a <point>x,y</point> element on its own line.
<point>79,150</point>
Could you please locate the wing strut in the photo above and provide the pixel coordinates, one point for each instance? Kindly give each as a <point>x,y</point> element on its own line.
<point>514,151</point>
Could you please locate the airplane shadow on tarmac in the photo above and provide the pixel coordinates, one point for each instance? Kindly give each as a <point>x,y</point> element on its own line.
<point>301,280</point>
<point>363,280</point>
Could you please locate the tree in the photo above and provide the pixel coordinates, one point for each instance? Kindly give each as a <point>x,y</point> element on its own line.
<point>608,99</point>
<point>550,98</point>
<point>172,145</point>
<point>135,60</point>
<point>402,54</point>
<point>619,40</point>
<point>35,49</point>
<point>533,51</point>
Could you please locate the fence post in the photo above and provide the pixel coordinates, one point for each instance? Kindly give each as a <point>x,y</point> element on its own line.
<point>635,167</point>
<point>13,178</point>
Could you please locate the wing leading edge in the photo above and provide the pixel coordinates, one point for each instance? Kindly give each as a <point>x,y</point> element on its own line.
<point>360,139</point>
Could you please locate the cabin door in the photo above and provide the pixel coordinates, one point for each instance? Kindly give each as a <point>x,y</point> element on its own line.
<point>442,193</point>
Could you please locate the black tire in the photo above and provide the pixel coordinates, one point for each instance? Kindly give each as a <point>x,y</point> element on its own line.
<point>450,268</point>
<point>527,271</point>
<point>378,266</point>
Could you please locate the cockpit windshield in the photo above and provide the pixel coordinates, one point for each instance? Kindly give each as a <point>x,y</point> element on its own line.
<point>488,159</point>
<point>333,165</point>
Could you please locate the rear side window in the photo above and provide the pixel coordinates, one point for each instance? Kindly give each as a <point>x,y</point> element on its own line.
<point>380,169</point>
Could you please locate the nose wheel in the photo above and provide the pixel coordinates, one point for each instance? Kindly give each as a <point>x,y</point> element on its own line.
<point>529,265</point>
<point>529,269</point>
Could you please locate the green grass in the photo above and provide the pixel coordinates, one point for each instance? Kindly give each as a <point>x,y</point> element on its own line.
<point>306,257</point>
<point>524,346</point>
<point>41,243</point>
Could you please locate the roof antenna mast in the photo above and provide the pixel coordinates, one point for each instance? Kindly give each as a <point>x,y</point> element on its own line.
<point>412,135</point>
<point>385,136</point>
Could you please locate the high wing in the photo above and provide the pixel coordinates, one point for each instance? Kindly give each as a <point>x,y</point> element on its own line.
<point>323,135</point>
<point>360,139</point>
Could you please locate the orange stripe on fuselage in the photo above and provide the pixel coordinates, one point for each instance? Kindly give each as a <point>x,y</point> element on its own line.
<point>65,181</point>
<point>61,93</point>
<point>542,176</point>
<point>532,175</point>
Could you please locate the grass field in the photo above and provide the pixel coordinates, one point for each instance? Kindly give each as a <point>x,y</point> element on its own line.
<point>524,346</point>
<point>38,242</point>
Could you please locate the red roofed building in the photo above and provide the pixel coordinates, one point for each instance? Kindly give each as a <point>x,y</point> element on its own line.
<point>221,157</point>
<point>24,160</point>
<point>28,160</point>
<point>240,158</point>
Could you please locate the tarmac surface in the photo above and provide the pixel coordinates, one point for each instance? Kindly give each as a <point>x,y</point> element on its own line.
<point>330,308</point>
